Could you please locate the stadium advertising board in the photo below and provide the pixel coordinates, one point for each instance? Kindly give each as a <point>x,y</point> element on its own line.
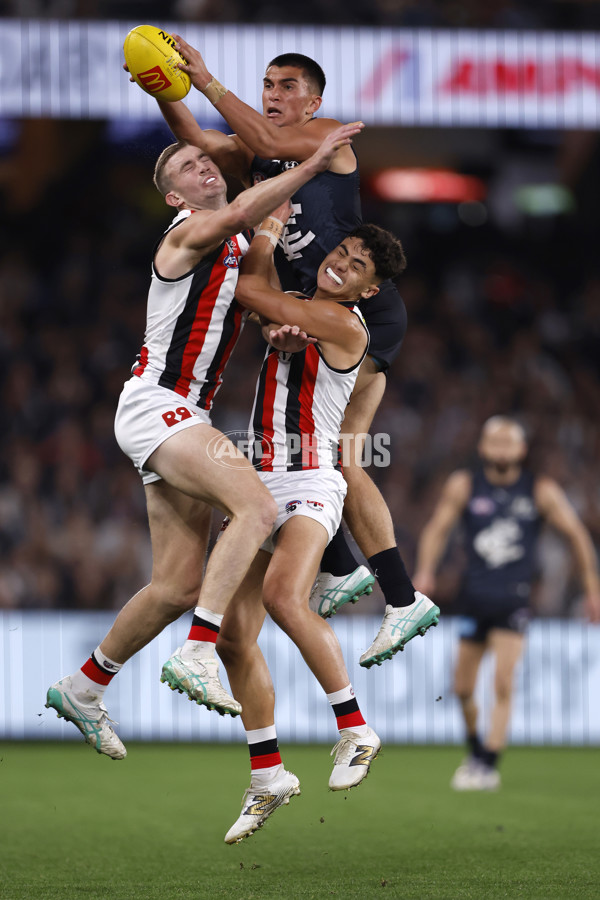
<point>384,76</point>
<point>409,700</point>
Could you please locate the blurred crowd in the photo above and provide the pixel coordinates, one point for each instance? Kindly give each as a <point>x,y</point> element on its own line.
<point>398,13</point>
<point>499,322</point>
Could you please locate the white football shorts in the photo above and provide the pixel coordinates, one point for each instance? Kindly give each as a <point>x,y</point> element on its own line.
<point>316,493</point>
<point>148,414</point>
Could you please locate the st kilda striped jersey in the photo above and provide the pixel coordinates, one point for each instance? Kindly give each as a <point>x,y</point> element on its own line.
<point>299,406</point>
<point>193,323</point>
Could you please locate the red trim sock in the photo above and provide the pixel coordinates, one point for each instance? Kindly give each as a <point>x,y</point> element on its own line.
<point>98,672</point>
<point>203,635</point>
<point>265,758</point>
<point>347,711</point>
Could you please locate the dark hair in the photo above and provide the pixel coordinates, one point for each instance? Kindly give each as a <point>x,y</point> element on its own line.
<point>384,248</point>
<point>311,70</point>
<point>161,179</point>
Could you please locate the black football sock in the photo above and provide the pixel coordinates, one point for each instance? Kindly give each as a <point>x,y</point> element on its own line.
<point>475,746</point>
<point>390,572</point>
<point>491,758</point>
<point>338,558</point>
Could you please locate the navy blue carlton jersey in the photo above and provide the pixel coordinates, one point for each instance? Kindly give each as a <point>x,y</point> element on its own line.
<point>501,529</point>
<point>326,210</point>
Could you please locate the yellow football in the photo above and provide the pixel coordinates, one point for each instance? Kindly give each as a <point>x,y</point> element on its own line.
<point>152,60</point>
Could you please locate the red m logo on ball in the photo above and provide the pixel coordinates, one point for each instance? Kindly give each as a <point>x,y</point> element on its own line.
<point>154,79</point>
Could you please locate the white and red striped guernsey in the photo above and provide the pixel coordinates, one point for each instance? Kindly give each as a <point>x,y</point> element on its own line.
<point>193,323</point>
<point>298,410</point>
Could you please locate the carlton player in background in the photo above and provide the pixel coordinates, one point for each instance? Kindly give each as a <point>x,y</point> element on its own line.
<point>501,506</point>
<point>163,425</point>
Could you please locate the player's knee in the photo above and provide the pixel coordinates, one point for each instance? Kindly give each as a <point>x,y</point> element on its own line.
<point>268,511</point>
<point>274,604</point>
<point>278,602</point>
<point>260,511</point>
<point>463,691</point>
<point>503,688</point>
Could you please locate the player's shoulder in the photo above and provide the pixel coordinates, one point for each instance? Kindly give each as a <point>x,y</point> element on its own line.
<point>322,125</point>
<point>459,486</point>
<point>185,222</point>
<point>546,490</point>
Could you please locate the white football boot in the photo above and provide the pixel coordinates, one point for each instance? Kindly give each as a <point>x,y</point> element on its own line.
<point>88,714</point>
<point>354,754</point>
<point>199,679</point>
<point>330,592</point>
<point>400,624</point>
<point>259,804</point>
<point>474,775</point>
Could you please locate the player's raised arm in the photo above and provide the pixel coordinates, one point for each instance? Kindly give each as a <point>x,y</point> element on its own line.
<point>229,153</point>
<point>267,137</point>
<point>436,532</point>
<point>554,505</point>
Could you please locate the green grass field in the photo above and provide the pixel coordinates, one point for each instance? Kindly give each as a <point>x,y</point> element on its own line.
<point>77,825</point>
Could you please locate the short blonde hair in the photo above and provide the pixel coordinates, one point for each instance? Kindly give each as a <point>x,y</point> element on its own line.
<point>161,179</point>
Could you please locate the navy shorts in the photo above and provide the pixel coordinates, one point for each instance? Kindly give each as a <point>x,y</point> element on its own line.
<point>385,315</point>
<point>476,625</point>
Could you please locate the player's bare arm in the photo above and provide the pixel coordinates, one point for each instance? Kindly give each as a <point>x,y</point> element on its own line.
<point>231,155</point>
<point>185,245</point>
<point>434,537</point>
<point>556,509</point>
<point>265,134</point>
<point>325,320</point>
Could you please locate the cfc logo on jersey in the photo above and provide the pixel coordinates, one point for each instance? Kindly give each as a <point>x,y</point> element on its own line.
<point>500,543</point>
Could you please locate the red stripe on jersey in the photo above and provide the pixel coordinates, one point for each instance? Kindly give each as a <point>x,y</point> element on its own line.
<point>143,361</point>
<point>268,412</point>
<point>95,673</point>
<point>225,358</point>
<point>199,330</point>
<point>310,457</point>
<point>349,720</point>
<point>201,633</point>
<point>265,761</point>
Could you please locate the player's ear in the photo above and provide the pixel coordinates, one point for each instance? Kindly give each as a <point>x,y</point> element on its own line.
<point>173,199</point>
<point>314,104</point>
<point>369,292</point>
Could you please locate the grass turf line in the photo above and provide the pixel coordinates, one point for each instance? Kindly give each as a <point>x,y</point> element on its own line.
<point>77,825</point>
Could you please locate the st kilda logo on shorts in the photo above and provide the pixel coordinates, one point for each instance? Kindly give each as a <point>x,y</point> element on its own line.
<point>154,79</point>
<point>315,504</point>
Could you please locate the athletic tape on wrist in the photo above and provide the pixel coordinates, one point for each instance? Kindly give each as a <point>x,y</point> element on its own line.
<point>268,234</point>
<point>214,91</point>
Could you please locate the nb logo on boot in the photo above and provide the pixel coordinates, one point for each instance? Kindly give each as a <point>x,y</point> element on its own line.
<point>364,756</point>
<point>257,809</point>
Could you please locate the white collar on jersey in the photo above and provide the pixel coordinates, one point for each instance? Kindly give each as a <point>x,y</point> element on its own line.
<point>182,214</point>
